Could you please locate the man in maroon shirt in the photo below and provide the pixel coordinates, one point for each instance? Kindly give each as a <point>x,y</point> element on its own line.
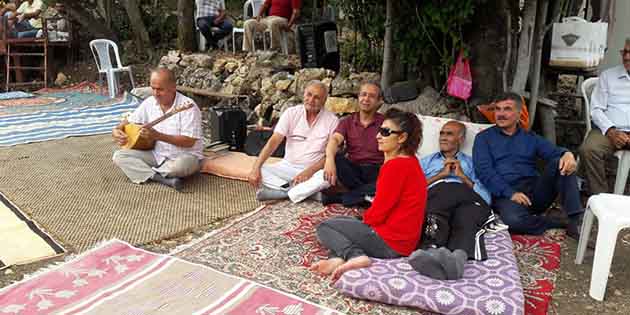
<point>358,168</point>
<point>283,14</point>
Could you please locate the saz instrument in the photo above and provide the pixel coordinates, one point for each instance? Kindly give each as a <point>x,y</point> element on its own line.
<point>135,142</point>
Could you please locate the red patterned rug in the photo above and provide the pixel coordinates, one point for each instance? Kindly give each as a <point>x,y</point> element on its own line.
<point>274,245</point>
<point>538,260</point>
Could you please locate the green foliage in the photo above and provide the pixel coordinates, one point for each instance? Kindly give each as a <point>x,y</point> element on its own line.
<point>426,32</point>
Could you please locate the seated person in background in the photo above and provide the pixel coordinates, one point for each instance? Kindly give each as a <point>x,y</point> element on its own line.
<point>610,112</point>
<point>178,147</point>
<point>505,159</point>
<point>211,13</point>
<point>357,169</point>
<point>28,20</point>
<point>283,14</point>
<point>391,226</point>
<point>7,12</point>
<point>457,203</point>
<point>57,23</point>
<point>306,128</point>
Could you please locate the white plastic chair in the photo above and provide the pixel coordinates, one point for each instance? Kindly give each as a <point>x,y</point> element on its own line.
<point>613,216</point>
<point>623,167</point>
<point>101,51</point>
<point>253,5</point>
<point>202,39</point>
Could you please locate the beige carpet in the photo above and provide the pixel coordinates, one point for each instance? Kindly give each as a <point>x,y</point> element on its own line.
<point>73,190</point>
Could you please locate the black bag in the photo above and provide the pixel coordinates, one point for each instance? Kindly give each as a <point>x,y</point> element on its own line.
<point>400,92</point>
<point>229,125</point>
<point>257,139</point>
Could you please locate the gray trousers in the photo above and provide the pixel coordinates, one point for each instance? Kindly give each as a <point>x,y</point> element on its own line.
<point>347,237</point>
<point>593,153</point>
<point>140,165</point>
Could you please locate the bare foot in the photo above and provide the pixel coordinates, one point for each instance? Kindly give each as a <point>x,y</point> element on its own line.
<point>327,266</point>
<point>354,263</point>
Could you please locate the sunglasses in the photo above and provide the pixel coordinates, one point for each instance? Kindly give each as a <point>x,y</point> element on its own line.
<point>386,132</point>
<point>623,52</point>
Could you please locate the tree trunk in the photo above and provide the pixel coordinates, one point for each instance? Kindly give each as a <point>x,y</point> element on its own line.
<point>388,54</point>
<point>488,46</point>
<point>539,36</point>
<point>525,46</point>
<point>185,26</point>
<point>137,26</point>
<point>88,22</point>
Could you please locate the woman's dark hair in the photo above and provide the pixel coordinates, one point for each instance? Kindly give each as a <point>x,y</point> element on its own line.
<point>410,124</point>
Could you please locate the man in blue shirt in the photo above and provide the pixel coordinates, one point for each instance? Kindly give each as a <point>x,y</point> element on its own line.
<point>505,159</point>
<point>457,202</point>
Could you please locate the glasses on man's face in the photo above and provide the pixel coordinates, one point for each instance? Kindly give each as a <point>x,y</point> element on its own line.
<point>386,132</point>
<point>623,52</point>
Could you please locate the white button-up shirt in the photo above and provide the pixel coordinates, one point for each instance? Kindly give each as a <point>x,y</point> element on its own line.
<point>610,102</point>
<point>185,123</point>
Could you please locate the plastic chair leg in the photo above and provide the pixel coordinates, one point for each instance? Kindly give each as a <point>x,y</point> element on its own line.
<point>133,84</point>
<point>604,250</point>
<point>111,84</point>
<point>585,233</point>
<point>622,172</point>
<point>285,43</point>
<point>233,43</point>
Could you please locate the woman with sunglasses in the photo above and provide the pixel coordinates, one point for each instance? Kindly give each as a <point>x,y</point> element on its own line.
<point>391,226</point>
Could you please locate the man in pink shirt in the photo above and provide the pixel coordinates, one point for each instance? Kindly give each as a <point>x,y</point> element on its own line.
<point>306,128</point>
<point>283,14</point>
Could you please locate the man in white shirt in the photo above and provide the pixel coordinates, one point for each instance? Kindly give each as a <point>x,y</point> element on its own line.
<point>610,112</point>
<point>306,128</point>
<point>178,139</point>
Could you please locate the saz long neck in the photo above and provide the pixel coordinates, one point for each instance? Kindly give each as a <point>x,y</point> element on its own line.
<point>169,114</point>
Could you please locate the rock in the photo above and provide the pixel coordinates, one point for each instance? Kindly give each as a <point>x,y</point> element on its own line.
<point>172,58</point>
<point>266,86</point>
<point>8,271</point>
<point>142,92</point>
<point>429,103</point>
<point>61,79</point>
<point>197,60</point>
<point>231,66</point>
<point>219,65</point>
<point>341,105</point>
<point>344,87</point>
<point>617,292</point>
<point>283,85</point>
<point>304,76</point>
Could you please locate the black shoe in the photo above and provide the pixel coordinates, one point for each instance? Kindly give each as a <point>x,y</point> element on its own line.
<point>173,182</point>
<point>574,226</point>
<point>328,199</point>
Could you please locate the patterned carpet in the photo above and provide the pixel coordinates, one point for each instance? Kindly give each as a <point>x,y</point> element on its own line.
<point>273,246</point>
<point>74,191</point>
<point>539,261</point>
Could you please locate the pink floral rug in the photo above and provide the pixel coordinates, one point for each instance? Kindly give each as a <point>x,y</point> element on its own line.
<point>117,278</point>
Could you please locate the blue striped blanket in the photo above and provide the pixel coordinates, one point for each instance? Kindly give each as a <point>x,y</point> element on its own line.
<point>59,124</point>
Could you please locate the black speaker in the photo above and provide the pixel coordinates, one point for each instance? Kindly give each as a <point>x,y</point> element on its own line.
<point>317,45</point>
<point>229,125</point>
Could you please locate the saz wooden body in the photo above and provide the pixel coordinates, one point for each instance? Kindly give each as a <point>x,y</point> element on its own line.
<point>135,142</point>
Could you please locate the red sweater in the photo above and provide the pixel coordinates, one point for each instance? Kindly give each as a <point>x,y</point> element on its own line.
<point>283,8</point>
<point>397,212</point>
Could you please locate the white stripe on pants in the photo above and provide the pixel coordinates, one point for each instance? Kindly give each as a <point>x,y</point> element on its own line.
<point>140,165</point>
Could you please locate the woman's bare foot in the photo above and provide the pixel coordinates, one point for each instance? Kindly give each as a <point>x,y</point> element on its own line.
<point>353,263</point>
<point>327,266</point>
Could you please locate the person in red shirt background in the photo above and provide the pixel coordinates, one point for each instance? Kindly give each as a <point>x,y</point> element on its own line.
<point>391,227</point>
<point>283,14</point>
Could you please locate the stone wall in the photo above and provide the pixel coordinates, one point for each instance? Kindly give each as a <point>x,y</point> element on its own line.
<point>275,82</point>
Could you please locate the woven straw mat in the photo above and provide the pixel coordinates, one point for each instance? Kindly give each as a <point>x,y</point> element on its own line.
<point>74,191</point>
